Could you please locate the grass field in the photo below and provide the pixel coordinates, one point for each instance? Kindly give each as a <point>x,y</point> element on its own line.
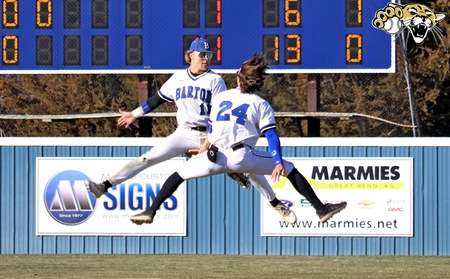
<point>193,266</point>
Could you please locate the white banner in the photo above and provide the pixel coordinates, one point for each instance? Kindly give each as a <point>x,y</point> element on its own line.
<point>379,193</point>
<point>65,207</point>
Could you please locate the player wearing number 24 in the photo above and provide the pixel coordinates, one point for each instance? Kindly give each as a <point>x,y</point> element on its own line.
<point>238,117</point>
<point>192,90</point>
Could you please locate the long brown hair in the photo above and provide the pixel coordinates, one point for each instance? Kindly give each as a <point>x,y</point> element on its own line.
<point>251,74</point>
<point>187,56</point>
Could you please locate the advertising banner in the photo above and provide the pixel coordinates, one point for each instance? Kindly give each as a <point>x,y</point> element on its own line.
<point>65,207</point>
<point>379,193</point>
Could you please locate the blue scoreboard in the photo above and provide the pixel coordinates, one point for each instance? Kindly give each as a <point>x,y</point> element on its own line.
<point>150,36</point>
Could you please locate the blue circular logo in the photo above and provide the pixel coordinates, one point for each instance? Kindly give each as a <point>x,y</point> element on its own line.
<point>67,199</point>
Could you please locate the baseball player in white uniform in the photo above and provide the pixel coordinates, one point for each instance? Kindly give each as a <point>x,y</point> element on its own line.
<point>238,117</point>
<point>192,90</point>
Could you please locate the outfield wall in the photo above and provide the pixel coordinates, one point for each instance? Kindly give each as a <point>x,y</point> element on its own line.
<point>221,217</point>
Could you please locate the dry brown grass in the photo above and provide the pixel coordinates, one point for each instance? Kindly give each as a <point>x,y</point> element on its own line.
<point>215,266</point>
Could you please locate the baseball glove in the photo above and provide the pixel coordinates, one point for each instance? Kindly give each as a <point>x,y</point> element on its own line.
<point>191,152</point>
<point>241,179</point>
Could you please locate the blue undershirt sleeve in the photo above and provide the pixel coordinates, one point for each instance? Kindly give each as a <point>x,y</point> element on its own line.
<point>153,102</point>
<point>274,145</point>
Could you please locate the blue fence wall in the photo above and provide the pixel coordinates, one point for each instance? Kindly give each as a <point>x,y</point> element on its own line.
<point>222,218</point>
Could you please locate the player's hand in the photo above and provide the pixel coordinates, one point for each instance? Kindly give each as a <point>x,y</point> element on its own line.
<point>126,119</point>
<point>277,172</point>
<point>204,146</point>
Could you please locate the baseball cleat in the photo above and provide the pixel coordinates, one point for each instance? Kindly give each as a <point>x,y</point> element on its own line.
<point>143,217</point>
<point>98,189</point>
<point>330,210</point>
<point>287,214</point>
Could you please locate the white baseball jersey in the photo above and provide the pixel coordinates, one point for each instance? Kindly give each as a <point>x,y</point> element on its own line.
<point>238,117</point>
<point>192,95</point>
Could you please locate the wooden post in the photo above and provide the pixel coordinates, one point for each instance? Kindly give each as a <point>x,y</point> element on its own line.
<point>313,104</point>
<point>144,92</point>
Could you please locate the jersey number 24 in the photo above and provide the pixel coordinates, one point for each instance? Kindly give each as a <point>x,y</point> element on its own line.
<point>240,112</point>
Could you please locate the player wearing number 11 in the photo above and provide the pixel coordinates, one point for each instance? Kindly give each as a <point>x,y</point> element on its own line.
<point>238,117</point>
<point>192,90</point>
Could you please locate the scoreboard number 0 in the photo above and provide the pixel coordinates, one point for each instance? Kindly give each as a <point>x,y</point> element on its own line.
<point>10,50</point>
<point>44,13</point>
<point>10,14</point>
<point>353,49</point>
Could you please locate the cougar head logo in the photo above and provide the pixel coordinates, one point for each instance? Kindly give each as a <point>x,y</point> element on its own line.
<point>417,18</point>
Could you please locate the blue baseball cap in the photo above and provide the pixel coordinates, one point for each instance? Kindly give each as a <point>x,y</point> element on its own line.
<point>200,45</point>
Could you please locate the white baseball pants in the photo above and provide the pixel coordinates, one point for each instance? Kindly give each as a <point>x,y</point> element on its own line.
<point>242,160</point>
<point>174,145</point>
